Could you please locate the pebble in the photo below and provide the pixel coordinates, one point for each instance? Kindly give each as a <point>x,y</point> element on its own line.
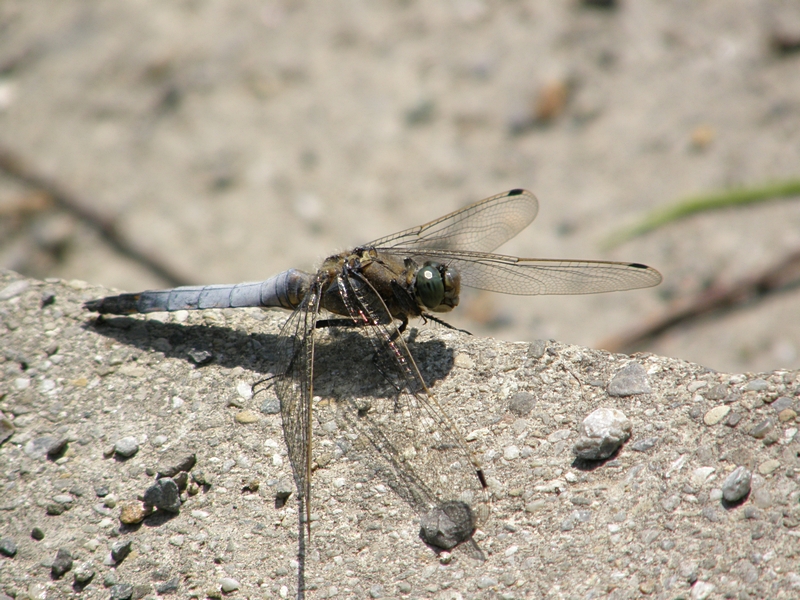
<point>630,380</point>
<point>760,430</point>
<point>756,385</point>
<point>37,533</point>
<point>601,433</point>
<point>177,540</point>
<point>6,428</point>
<point>786,415</point>
<point>700,476</point>
<point>736,485</point>
<point>644,445</point>
<point>447,525</point>
<point>511,453</point>
<point>84,573</point>
<point>63,499</point>
<point>271,406</point>
<point>200,357</point>
<point>8,547</point>
<point>246,417</point>
<point>701,590</point>
<point>176,461</point>
<point>119,550</point>
<point>404,587</point>
<point>245,390</point>
<point>716,414</point>
<point>121,591</point>
<point>521,403</point>
<point>164,494</point>
<point>376,591</point>
<point>228,584</point>
<point>132,513</point>
<point>61,564</point>
<point>37,447</point>
<point>782,403</point>
<point>127,446</point>
<point>168,587</point>
<point>768,466</point>
<point>57,448</point>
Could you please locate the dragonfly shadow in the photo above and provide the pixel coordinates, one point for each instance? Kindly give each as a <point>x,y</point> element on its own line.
<point>345,365</point>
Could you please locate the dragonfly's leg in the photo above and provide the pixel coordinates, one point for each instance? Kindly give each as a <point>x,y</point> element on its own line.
<point>430,317</point>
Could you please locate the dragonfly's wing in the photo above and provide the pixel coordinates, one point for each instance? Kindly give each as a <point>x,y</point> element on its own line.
<point>295,391</point>
<point>535,276</point>
<point>409,440</point>
<point>480,227</point>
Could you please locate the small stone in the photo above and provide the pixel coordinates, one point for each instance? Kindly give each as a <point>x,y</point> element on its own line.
<point>718,392</point>
<point>62,563</point>
<point>6,428</point>
<point>132,513</point>
<point>736,485</point>
<point>486,582</point>
<point>768,466</point>
<point>733,419</point>
<point>110,579</point>
<point>121,591</point>
<point>521,403</point>
<point>164,494</point>
<point>700,476</point>
<point>447,525</point>
<point>786,415</point>
<point>101,491</point>
<point>404,587</point>
<point>630,380</point>
<point>168,587</point>
<point>511,453</point>
<point>601,433</point>
<point>761,430</point>
<point>8,547</point>
<point>757,385</point>
<point>228,585</point>
<point>782,403</point>
<point>271,406</point>
<point>127,446</point>
<point>376,591</point>
<point>174,462</point>
<point>246,417</point>
<point>37,533</point>
<point>119,550</point>
<point>199,477</point>
<point>702,590</point>
<point>177,540</point>
<point>57,448</point>
<point>84,573</point>
<point>716,414</point>
<point>644,445</point>
<point>245,390</point>
<point>200,357</point>
<point>54,508</point>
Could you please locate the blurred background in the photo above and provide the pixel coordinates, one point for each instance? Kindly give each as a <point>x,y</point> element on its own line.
<point>145,144</point>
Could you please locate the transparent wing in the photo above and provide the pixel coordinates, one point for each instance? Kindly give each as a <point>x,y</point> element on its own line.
<point>479,227</point>
<point>295,391</point>
<point>536,276</point>
<point>412,444</point>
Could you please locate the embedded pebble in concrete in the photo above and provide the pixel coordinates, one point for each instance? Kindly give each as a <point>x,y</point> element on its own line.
<point>132,512</point>
<point>644,445</point>
<point>511,453</point>
<point>121,549</point>
<point>174,462</point>
<point>736,485</point>
<point>8,547</point>
<point>121,591</point>
<point>271,406</point>
<point>84,573</point>
<point>61,564</point>
<point>716,414</point>
<point>127,446</point>
<point>228,585</point>
<point>601,434</point>
<point>37,533</point>
<point>163,494</point>
<point>447,525</point>
<point>630,380</point>
<point>521,403</point>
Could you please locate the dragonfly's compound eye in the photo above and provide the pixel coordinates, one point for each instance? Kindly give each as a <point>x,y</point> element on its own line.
<point>429,286</point>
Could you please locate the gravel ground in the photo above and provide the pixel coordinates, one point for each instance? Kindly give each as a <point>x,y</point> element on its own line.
<point>94,412</point>
<point>234,140</point>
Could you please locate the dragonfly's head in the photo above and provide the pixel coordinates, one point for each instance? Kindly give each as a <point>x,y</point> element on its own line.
<point>437,287</point>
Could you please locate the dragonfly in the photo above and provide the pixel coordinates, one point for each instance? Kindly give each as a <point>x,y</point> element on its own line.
<point>375,289</point>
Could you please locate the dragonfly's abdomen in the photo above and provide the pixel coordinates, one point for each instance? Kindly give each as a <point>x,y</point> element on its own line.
<point>285,290</point>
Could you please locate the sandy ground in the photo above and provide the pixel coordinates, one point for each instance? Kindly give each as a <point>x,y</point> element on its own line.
<point>238,139</point>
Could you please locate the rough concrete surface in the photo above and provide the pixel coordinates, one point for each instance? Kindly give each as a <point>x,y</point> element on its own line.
<point>650,521</point>
<point>237,139</point>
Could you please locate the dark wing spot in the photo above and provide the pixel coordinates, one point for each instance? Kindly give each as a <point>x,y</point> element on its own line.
<point>515,192</point>
<point>638,266</point>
